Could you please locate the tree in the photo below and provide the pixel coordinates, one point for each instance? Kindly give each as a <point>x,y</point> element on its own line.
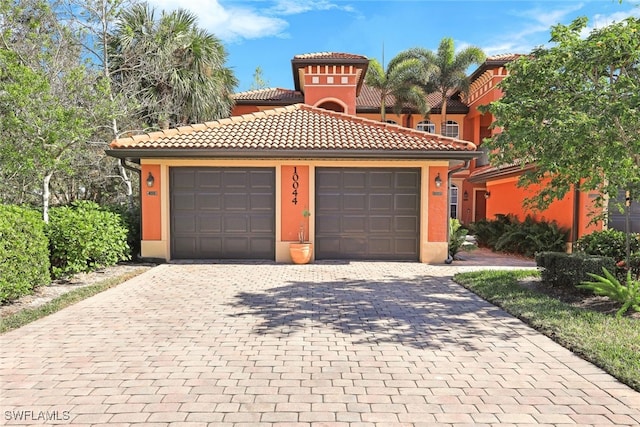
<point>573,110</point>
<point>446,69</point>
<point>398,84</point>
<point>174,69</point>
<point>49,102</point>
<point>258,80</point>
<point>95,22</point>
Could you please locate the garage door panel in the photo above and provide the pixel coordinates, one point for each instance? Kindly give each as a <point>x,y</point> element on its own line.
<point>405,246</point>
<point>406,202</point>
<point>261,224</point>
<point>208,201</point>
<point>236,179</point>
<point>381,246</point>
<point>184,180</point>
<point>209,179</point>
<point>222,213</point>
<point>329,202</point>
<point>381,224</point>
<point>356,224</point>
<point>261,201</point>
<point>381,202</point>
<point>368,213</point>
<point>407,180</point>
<point>402,224</point>
<point>381,179</point>
<point>328,224</point>
<point>354,202</point>
<point>354,180</point>
<point>209,223</point>
<point>185,201</point>
<point>185,223</point>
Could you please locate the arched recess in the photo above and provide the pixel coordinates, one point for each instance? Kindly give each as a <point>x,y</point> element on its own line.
<point>332,104</point>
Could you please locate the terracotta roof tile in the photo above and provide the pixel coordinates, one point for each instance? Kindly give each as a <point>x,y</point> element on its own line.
<point>295,127</point>
<point>329,55</point>
<point>270,94</point>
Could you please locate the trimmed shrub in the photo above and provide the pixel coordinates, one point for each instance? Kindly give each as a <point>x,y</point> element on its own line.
<point>84,237</point>
<point>24,255</point>
<point>562,269</point>
<point>507,234</point>
<point>610,243</point>
<point>131,219</point>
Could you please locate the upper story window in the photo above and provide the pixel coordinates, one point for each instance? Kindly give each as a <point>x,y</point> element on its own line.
<point>393,122</point>
<point>450,129</point>
<point>426,126</point>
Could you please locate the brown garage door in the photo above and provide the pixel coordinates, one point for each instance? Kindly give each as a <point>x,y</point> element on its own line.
<point>225,213</point>
<point>367,213</point>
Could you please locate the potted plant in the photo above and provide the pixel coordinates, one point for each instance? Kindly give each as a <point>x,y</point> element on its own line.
<point>301,251</point>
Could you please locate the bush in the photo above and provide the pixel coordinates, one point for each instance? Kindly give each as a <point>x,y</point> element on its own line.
<point>609,286</point>
<point>83,237</point>
<point>131,219</point>
<point>562,269</point>
<point>609,243</point>
<point>24,257</point>
<point>507,234</point>
<point>457,237</point>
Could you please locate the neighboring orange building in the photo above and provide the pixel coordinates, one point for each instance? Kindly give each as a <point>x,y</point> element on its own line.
<point>238,187</point>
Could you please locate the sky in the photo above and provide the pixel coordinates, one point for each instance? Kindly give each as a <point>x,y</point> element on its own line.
<point>269,33</point>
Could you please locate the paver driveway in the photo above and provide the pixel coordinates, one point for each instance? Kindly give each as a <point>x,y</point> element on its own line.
<point>358,343</point>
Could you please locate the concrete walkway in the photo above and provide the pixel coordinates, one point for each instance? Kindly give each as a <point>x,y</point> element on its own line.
<point>328,344</point>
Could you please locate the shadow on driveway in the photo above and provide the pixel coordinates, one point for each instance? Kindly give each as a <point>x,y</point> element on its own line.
<point>425,312</point>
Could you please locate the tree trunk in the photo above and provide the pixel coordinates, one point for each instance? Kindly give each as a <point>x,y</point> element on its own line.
<point>45,197</point>
<point>443,114</point>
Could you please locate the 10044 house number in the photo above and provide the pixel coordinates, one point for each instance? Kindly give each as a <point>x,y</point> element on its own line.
<point>295,184</point>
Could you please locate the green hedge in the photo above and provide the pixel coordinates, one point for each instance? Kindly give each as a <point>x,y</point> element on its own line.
<point>562,269</point>
<point>84,237</point>
<point>24,257</point>
<point>508,234</point>
<point>610,243</point>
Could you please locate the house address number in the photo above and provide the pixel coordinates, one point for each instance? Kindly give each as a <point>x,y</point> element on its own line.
<point>295,184</point>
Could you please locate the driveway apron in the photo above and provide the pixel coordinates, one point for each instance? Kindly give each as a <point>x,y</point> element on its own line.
<point>333,343</point>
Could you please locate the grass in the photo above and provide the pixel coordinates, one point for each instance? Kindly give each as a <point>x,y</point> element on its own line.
<point>28,315</point>
<point>606,341</point>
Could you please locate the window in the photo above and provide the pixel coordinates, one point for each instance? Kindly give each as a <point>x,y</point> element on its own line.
<point>450,129</point>
<point>393,122</point>
<point>426,126</point>
<point>453,198</point>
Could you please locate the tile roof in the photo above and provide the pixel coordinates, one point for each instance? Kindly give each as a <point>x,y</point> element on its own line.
<point>270,94</point>
<point>296,127</point>
<point>329,55</point>
<point>368,99</point>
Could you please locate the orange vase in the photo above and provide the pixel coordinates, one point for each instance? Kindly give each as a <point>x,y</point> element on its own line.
<point>301,252</point>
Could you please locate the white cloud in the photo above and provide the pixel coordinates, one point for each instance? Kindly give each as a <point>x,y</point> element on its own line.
<point>228,23</point>
<point>294,7</point>
<point>232,23</point>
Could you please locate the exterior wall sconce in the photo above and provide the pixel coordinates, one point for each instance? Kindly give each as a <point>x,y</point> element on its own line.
<point>487,194</point>
<point>465,195</point>
<point>150,180</point>
<point>438,180</point>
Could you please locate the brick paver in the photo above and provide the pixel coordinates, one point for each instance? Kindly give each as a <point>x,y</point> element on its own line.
<point>342,343</point>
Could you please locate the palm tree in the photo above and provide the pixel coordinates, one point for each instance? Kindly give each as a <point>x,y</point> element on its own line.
<point>400,81</point>
<point>447,70</point>
<point>173,69</point>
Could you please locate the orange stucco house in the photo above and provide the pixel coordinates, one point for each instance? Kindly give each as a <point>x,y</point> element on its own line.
<point>477,191</point>
<point>238,187</point>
